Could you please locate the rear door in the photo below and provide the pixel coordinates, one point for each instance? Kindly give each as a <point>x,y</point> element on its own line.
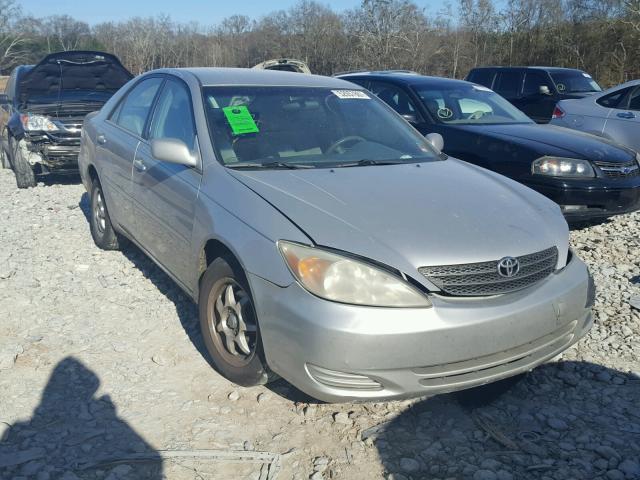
<point>165,193</point>
<point>536,104</point>
<point>623,122</point>
<point>117,140</point>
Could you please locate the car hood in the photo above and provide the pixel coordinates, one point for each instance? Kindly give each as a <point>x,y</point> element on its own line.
<point>554,140</point>
<point>408,216</point>
<point>74,71</point>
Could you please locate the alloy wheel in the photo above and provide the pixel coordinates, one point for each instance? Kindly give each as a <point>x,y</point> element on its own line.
<point>232,322</point>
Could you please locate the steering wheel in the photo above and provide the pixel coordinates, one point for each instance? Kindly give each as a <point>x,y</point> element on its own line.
<point>341,145</point>
<point>477,115</point>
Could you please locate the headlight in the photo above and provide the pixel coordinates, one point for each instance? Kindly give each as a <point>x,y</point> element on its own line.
<point>563,167</point>
<point>346,280</point>
<point>37,123</point>
<point>638,158</point>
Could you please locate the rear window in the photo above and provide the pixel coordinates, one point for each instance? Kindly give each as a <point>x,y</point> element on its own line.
<point>574,81</point>
<point>614,99</point>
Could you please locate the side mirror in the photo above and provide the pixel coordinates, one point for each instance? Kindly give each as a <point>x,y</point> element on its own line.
<point>4,99</point>
<point>544,90</point>
<point>436,140</point>
<point>172,150</point>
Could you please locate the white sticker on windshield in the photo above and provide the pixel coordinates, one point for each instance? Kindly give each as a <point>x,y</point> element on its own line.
<point>481,88</point>
<point>351,94</point>
<point>586,75</point>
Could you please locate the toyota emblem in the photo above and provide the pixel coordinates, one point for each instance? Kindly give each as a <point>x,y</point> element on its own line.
<point>508,267</point>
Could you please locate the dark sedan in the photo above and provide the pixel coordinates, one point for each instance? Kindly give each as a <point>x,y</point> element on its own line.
<point>589,177</point>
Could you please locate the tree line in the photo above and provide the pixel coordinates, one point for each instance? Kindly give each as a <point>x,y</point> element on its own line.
<point>599,36</point>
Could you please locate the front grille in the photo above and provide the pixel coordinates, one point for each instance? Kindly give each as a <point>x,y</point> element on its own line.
<point>480,279</point>
<point>618,170</point>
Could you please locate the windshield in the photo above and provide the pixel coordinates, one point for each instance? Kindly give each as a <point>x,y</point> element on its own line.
<point>574,82</point>
<point>469,104</point>
<point>284,127</point>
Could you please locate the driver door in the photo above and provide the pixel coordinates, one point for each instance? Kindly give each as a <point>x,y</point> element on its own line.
<point>165,194</point>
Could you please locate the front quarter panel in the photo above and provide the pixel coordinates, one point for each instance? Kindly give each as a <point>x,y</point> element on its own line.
<point>231,213</point>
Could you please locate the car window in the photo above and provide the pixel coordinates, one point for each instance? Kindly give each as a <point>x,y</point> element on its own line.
<point>634,100</point>
<point>574,81</point>
<point>467,104</point>
<point>613,100</point>
<point>483,77</point>
<point>508,84</point>
<point>395,97</point>
<point>533,81</point>
<point>173,117</point>
<point>132,113</point>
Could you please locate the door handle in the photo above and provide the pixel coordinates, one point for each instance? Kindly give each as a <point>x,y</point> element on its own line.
<point>626,115</point>
<point>139,165</point>
<point>101,139</point>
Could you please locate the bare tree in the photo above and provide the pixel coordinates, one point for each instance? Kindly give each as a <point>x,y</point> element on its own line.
<point>12,40</point>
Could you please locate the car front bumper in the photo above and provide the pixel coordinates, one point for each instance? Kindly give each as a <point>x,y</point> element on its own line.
<point>593,201</point>
<point>336,352</point>
<point>54,154</point>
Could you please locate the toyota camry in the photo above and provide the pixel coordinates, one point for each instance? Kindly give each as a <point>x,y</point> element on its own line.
<point>327,241</point>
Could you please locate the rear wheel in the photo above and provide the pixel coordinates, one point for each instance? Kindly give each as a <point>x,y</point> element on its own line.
<point>25,178</point>
<point>102,230</point>
<point>229,324</point>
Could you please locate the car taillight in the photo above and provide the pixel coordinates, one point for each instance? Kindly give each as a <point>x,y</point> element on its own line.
<point>557,113</point>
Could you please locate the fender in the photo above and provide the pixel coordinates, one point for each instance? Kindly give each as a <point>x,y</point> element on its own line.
<point>14,126</point>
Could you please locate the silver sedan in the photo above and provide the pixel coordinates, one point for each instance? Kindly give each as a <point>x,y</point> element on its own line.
<point>326,240</point>
<point>613,114</point>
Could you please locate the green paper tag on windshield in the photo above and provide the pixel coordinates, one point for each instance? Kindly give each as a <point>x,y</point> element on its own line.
<point>240,120</point>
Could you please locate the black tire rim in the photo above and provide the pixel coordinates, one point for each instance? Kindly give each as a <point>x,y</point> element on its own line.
<point>231,322</point>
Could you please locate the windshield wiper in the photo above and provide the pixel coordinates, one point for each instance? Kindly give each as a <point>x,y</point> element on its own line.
<point>283,165</point>
<point>367,161</point>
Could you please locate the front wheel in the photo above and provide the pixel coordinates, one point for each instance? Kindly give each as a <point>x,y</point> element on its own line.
<point>229,324</point>
<point>4,156</point>
<point>25,178</point>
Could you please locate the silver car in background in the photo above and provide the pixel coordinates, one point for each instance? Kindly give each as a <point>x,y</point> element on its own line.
<point>326,240</point>
<point>613,114</point>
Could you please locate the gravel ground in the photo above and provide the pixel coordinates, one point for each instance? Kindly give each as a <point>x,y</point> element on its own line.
<point>102,375</point>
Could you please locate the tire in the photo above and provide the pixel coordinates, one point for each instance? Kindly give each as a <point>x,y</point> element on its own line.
<point>4,156</point>
<point>25,178</point>
<point>104,236</point>
<point>222,317</point>
<point>485,394</point>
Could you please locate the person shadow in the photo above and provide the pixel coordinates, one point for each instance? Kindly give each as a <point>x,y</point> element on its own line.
<point>75,434</point>
<point>565,420</point>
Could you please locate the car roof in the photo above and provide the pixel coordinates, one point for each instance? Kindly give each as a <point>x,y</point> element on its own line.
<point>212,76</point>
<point>531,67</point>
<point>406,78</point>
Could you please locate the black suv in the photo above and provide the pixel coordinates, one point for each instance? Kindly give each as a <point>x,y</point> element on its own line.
<point>43,107</point>
<point>535,90</point>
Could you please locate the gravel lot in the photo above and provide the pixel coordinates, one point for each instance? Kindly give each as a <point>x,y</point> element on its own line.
<point>102,375</point>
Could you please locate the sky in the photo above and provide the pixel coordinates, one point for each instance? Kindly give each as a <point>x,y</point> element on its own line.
<point>207,13</point>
